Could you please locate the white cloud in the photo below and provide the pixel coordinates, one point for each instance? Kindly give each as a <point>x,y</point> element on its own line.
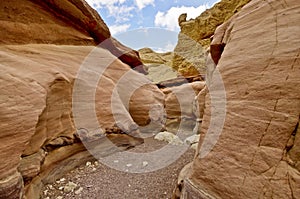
<point>100,3</point>
<point>143,3</point>
<point>116,9</point>
<point>115,29</point>
<point>120,13</point>
<point>169,19</point>
<point>168,48</point>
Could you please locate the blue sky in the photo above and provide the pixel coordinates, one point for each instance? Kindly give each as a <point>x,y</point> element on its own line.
<point>129,20</point>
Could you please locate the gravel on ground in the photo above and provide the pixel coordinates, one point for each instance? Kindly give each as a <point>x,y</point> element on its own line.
<point>95,180</point>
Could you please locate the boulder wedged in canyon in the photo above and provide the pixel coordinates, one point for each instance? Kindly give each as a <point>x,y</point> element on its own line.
<point>180,92</point>
<point>42,55</point>
<point>257,153</point>
<point>194,37</point>
<point>173,108</point>
<point>180,107</point>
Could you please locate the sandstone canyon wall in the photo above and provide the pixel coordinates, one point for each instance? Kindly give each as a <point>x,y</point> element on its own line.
<point>59,22</point>
<point>43,46</point>
<point>257,154</point>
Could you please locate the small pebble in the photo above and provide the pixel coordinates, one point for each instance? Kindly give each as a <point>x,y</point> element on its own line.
<point>145,163</point>
<point>128,165</point>
<point>70,187</point>
<point>88,164</point>
<point>78,191</point>
<point>194,146</point>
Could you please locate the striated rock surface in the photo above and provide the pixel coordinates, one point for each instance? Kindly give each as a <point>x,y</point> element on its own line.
<point>59,22</point>
<point>194,37</point>
<point>36,104</point>
<point>43,46</point>
<point>257,153</point>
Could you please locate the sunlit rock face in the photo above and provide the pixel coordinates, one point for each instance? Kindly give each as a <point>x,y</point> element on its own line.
<point>257,153</point>
<point>194,38</point>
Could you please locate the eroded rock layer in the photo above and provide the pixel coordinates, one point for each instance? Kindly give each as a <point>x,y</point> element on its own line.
<point>37,85</point>
<point>56,85</point>
<point>59,22</point>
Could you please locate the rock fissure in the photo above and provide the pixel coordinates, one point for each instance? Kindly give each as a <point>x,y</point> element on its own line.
<point>268,123</point>
<point>290,186</point>
<point>297,57</point>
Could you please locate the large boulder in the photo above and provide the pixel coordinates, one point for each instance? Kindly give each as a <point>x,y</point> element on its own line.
<point>257,153</point>
<point>52,92</point>
<point>184,108</point>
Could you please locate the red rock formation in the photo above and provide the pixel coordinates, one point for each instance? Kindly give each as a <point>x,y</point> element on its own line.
<point>43,44</point>
<point>59,22</point>
<point>257,154</point>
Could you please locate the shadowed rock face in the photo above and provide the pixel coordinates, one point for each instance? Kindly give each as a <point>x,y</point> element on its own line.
<point>257,153</point>
<point>43,45</point>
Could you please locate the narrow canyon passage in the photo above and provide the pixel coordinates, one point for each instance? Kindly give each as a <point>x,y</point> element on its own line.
<point>211,112</point>
<point>95,180</point>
